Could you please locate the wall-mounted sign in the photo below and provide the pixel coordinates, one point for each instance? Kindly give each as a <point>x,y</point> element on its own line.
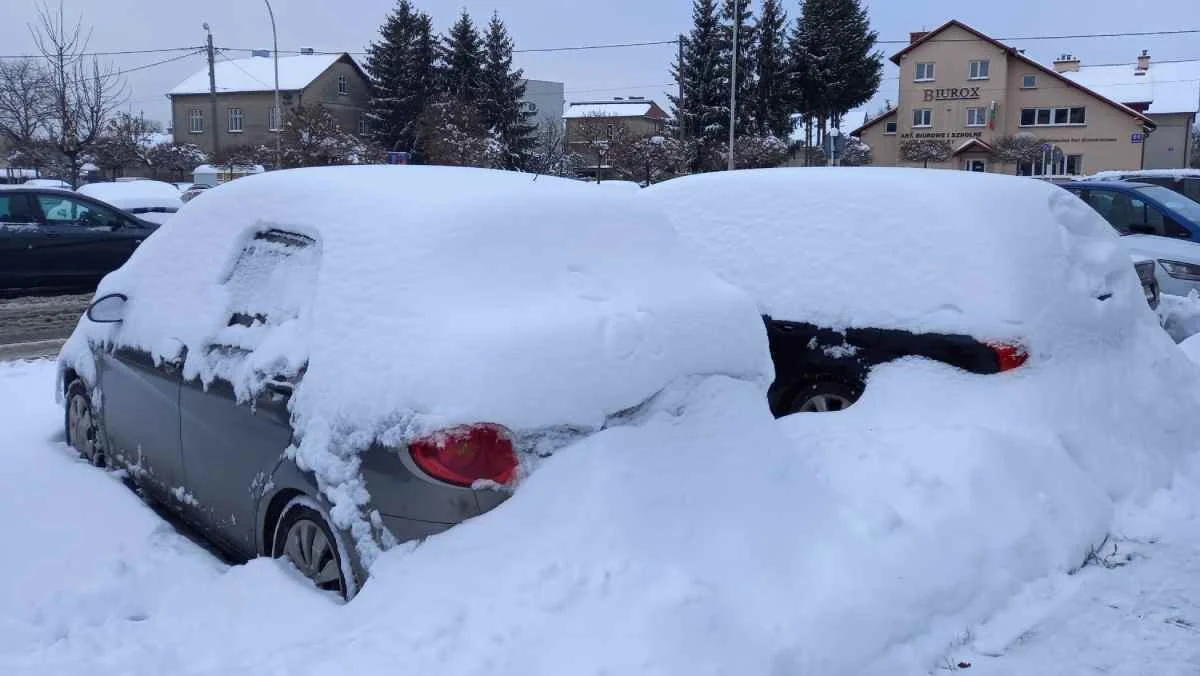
<point>943,134</point>
<point>952,94</point>
<point>1136,138</point>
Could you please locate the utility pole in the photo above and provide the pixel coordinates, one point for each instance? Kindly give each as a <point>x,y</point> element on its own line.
<point>278,112</point>
<point>679,76</point>
<point>212,93</point>
<point>733,59</point>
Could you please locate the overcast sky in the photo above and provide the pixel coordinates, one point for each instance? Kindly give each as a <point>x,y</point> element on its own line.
<point>350,25</point>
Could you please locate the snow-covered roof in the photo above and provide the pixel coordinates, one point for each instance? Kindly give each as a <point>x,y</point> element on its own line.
<point>633,108</point>
<point>1168,86</point>
<point>133,195</point>
<point>257,74</point>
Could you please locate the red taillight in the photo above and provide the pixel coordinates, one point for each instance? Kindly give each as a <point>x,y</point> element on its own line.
<point>1009,355</point>
<point>464,455</point>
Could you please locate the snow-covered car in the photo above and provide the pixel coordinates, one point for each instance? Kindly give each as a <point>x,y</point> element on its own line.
<point>154,201</point>
<point>1186,182</point>
<point>306,369</point>
<point>1146,275</point>
<point>192,191</point>
<point>47,183</point>
<point>853,268</point>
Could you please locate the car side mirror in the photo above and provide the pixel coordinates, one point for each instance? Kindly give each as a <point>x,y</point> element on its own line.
<point>108,309</point>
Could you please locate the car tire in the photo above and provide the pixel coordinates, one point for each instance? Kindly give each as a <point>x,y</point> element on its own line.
<point>303,536</point>
<point>824,396</point>
<point>83,430</point>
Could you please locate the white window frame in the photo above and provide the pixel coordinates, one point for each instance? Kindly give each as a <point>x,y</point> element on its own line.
<point>930,72</point>
<point>235,116</point>
<point>272,119</point>
<point>196,121</point>
<point>363,125</point>
<point>927,117</point>
<point>967,164</point>
<point>343,85</point>
<point>981,117</point>
<point>1053,112</point>
<point>893,124</point>
<point>978,65</point>
<point>1025,79</point>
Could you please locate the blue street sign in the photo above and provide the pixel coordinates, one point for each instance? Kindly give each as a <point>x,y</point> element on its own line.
<point>397,158</point>
<point>1137,138</point>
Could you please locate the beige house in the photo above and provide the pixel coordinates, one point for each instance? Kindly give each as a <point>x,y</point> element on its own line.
<point>963,87</point>
<point>591,125</point>
<point>246,114</point>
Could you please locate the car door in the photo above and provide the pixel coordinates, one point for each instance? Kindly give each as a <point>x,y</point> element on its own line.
<point>231,446</point>
<point>139,405</point>
<point>19,235</point>
<point>84,240</point>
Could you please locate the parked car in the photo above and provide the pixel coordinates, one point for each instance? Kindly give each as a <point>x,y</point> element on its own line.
<point>153,201</point>
<point>59,240</point>
<point>1147,275</point>
<point>47,183</point>
<point>1186,182</point>
<point>293,347</point>
<point>1158,223</point>
<point>191,192</point>
<point>854,268</point>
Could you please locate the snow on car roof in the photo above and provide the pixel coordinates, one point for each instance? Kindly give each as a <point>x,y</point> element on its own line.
<point>257,74</point>
<point>1118,175</point>
<point>924,250</point>
<point>135,194</point>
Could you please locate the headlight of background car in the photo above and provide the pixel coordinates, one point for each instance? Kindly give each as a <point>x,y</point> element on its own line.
<point>1180,270</point>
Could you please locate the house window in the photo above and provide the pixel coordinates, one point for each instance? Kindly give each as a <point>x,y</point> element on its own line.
<point>273,119</point>
<point>924,72</point>
<point>979,69</point>
<point>196,121</point>
<point>609,132</point>
<point>235,120</point>
<point>1053,117</point>
<point>343,85</point>
<point>1074,165</point>
<point>364,125</point>
<point>978,166</point>
<point>923,117</point>
<point>1028,82</point>
<point>977,117</point>
<point>890,127</point>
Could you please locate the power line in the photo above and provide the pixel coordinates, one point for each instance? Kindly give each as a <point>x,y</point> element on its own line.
<point>119,53</point>
<point>158,63</point>
<point>244,71</point>
<point>1053,37</point>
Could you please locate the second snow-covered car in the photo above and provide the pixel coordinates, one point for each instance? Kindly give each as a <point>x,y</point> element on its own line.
<point>318,363</point>
<point>853,268</point>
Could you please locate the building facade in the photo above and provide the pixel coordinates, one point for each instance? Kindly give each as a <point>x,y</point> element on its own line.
<point>1167,92</point>
<point>246,114</point>
<point>963,88</point>
<point>545,101</point>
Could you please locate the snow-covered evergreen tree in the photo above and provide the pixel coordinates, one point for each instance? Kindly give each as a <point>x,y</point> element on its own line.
<point>854,65</point>
<point>806,74</point>
<point>772,101</point>
<point>452,135</point>
<point>461,62</point>
<point>401,68</point>
<point>703,111</point>
<point>745,122</point>
<point>502,90</point>
<point>312,137</point>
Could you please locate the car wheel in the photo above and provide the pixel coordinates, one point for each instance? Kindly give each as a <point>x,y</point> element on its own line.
<point>824,397</point>
<point>304,537</point>
<point>83,433</point>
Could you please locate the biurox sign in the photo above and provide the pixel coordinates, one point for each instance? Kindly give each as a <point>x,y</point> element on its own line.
<point>952,94</point>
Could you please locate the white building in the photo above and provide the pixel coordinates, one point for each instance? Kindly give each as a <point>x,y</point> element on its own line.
<point>546,100</point>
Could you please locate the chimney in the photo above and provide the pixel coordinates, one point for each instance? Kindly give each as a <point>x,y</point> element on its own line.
<point>306,51</point>
<point>916,36</point>
<point>1066,64</point>
<point>1143,61</point>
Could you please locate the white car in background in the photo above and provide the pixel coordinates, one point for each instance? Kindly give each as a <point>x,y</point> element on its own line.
<point>153,201</point>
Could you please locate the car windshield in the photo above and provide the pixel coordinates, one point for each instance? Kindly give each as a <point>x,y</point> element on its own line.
<point>1172,200</point>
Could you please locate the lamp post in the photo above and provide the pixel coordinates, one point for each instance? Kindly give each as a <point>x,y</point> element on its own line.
<point>278,111</point>
<point>737,28</point>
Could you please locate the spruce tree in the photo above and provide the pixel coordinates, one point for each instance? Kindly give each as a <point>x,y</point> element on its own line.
<point>702,113</point>
<point>807,81</point>
<point>772,105</point>
<point>502,89</point>
<point>461,62</point>
<point>401,68</point>
<point>855,66</point>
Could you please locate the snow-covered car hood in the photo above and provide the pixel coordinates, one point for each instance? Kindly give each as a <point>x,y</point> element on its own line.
<point>982,254</point>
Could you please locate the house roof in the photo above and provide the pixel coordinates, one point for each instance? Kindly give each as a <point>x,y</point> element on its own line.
<point>1167,86</point>
<point>257,74</point>
<point>614,108</point>
<point>1016,54</point>
<point>874,120</point>
<point>973,145</point>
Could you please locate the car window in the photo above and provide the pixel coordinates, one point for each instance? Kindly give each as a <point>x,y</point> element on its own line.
<point>1173,201</point>
<point>15,209</point>
<point>1103,202</point>
<point>63,210</point>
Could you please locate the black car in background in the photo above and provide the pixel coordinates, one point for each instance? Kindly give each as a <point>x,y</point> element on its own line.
<point>58,240</point>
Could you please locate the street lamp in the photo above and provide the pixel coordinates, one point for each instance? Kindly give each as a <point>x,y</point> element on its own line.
<point>737,28</point>
<point>278,111</point>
